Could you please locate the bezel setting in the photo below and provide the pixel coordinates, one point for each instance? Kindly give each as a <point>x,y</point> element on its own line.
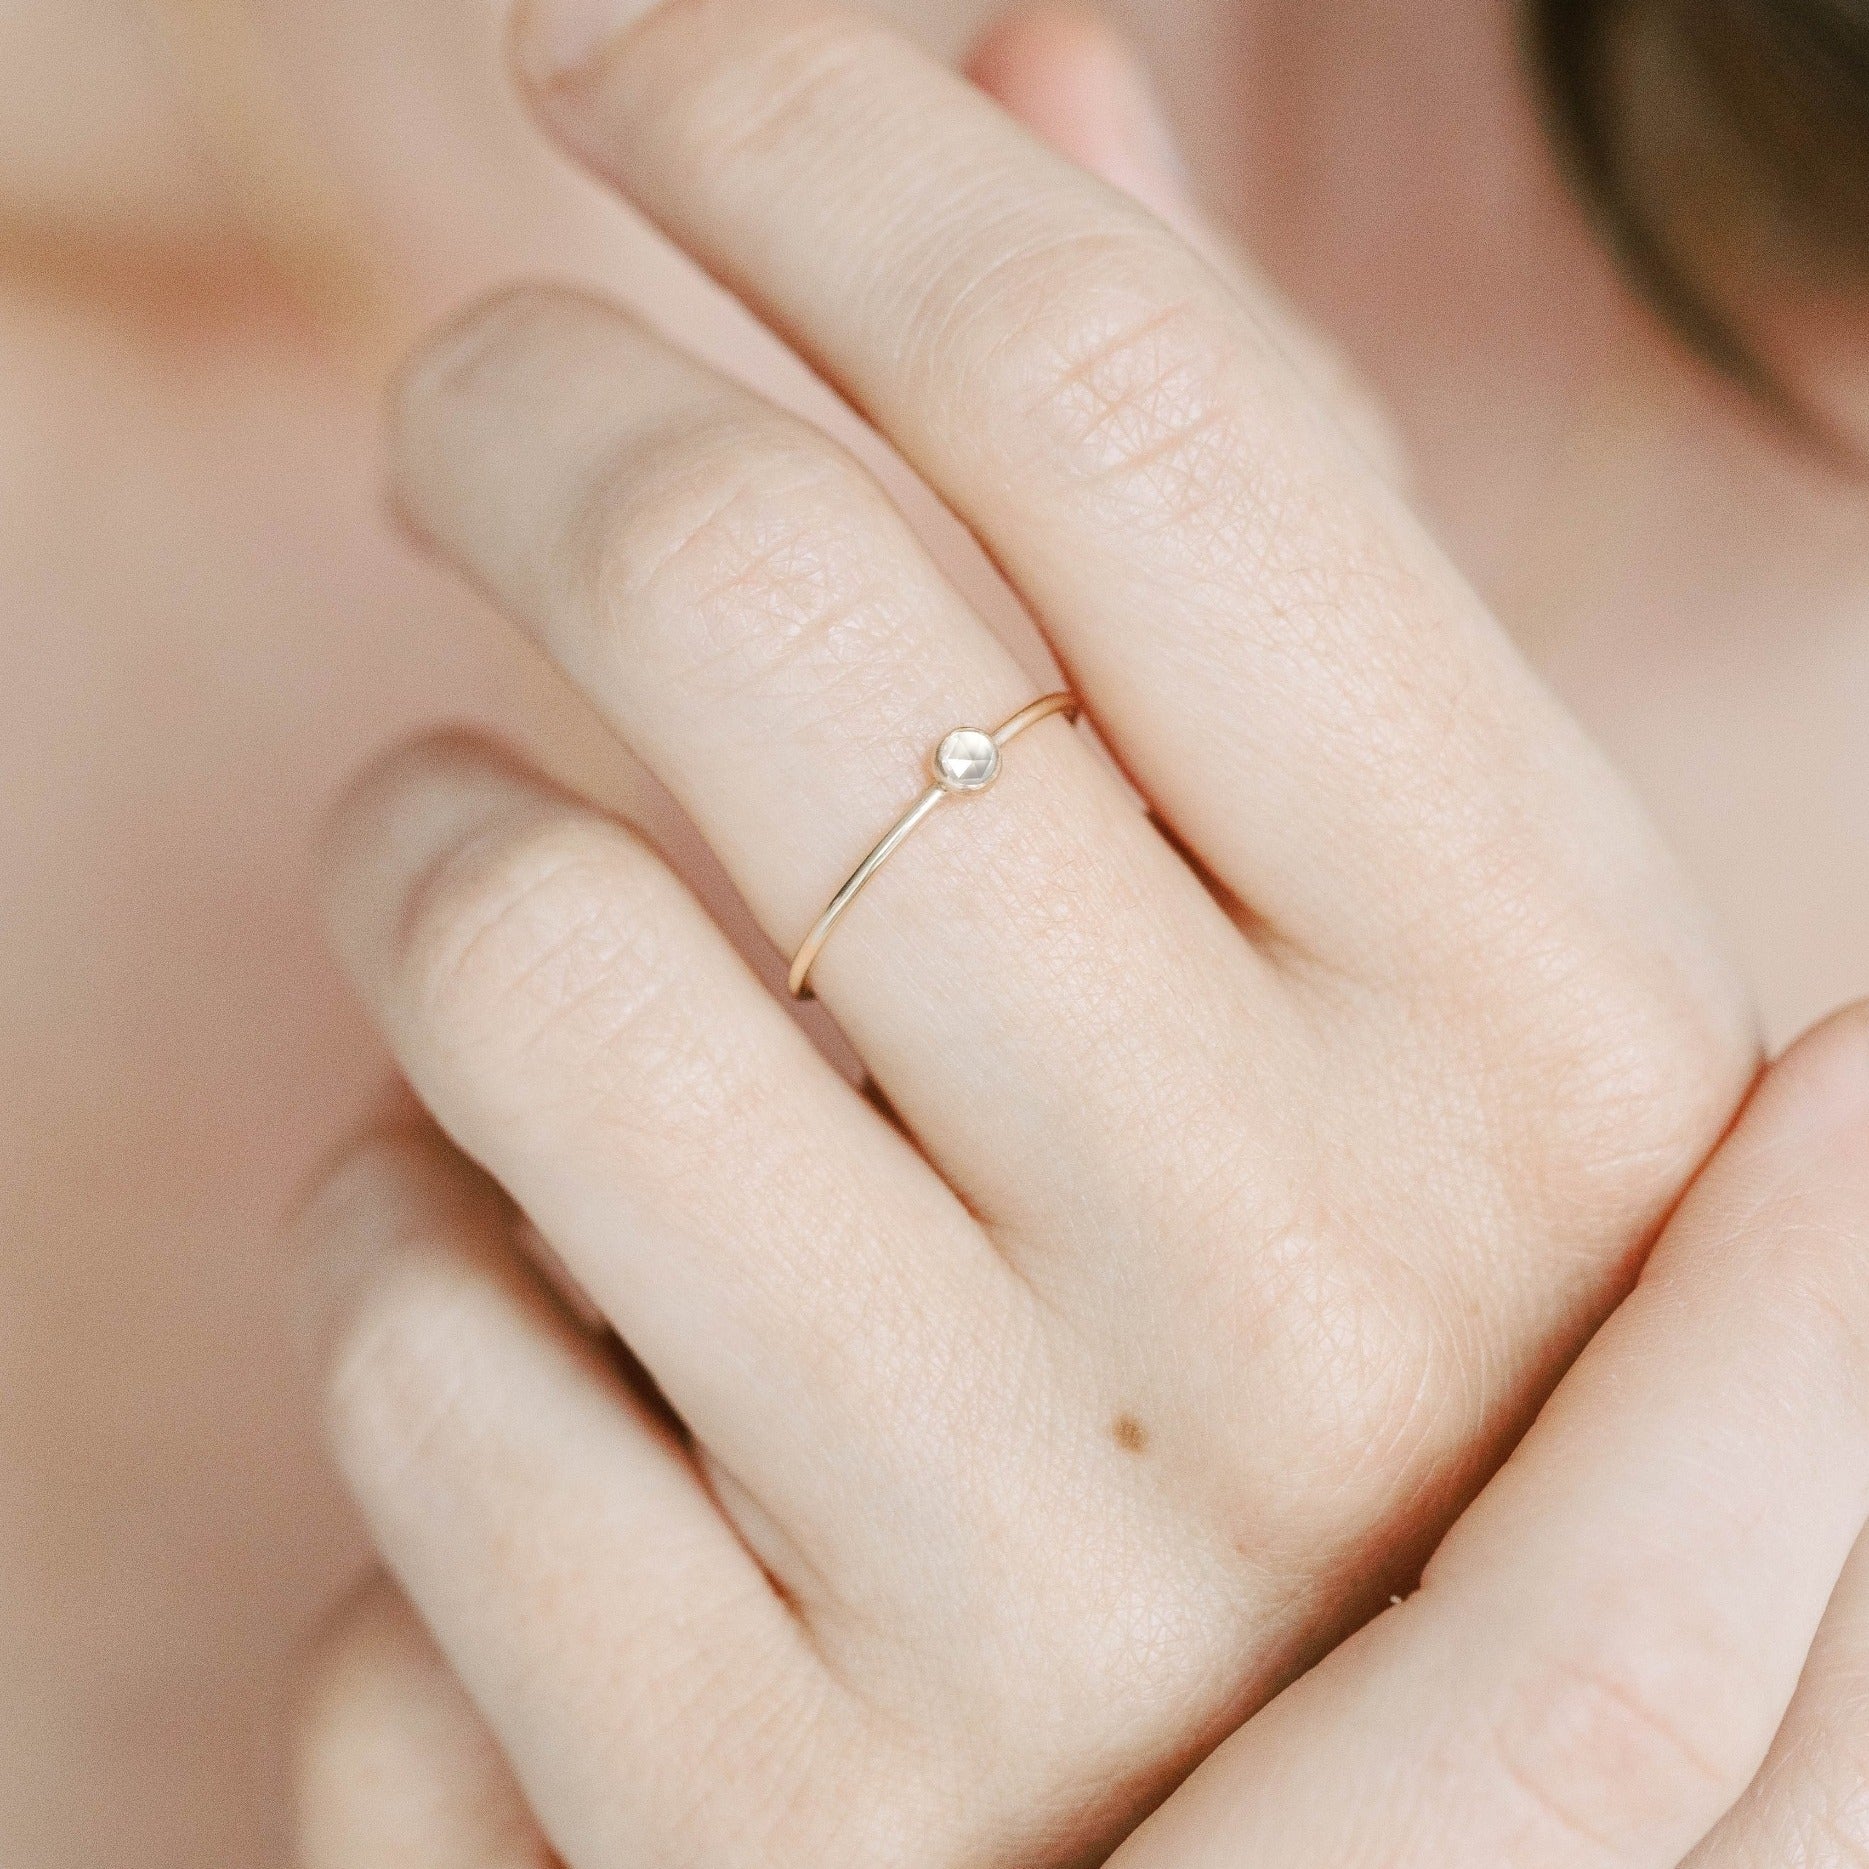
<point>968,760</point>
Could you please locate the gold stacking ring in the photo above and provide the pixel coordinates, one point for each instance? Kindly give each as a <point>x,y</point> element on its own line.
<point>965,764</point>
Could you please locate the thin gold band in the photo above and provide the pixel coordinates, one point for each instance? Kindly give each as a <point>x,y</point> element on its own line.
<point>965,763</point>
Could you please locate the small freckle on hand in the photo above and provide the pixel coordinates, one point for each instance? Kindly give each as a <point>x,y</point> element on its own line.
<point>1129,1434</point>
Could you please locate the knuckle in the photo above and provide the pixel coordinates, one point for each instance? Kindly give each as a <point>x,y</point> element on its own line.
<point>1595,1081</point>
<point>535,942</point>
<point>1129,384</point>
<point>753,1730</point>
<point>397,1238</point>
<point>743,555</point>
<point>1376,1388</point>
<point>788,76</point>
<point>386,1757</point>
<point>1357,1361</point>
<point>752,1712</point>
<point>1650,1077</point>
<point>1144,414</point>
<point>551,971</point>
<point>1647,1726</point>
<point>398,1387</point>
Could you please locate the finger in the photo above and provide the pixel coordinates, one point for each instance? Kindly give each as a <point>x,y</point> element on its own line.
<point>1281,659</point>
<point>393,1767</point>
<point>1600,1654</point>
<point>1809,1807</point>
<point>770,639</point>
<point>547,1527</point>
<point>1070,77</point>
<point>771,1249</point>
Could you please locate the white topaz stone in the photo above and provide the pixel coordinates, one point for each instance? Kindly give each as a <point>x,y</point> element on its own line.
<point>967,760</point>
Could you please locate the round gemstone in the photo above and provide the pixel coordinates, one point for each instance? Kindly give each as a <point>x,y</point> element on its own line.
<point>967,760</point>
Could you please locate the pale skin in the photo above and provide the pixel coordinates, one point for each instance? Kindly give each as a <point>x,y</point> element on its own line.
<point>1804,941</point>
<point>1016,1466</point>
<point>1642,1646</point>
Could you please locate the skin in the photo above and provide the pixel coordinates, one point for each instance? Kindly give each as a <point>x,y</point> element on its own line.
<point>131,1551</point>
<point>889,1597</point>
<point>1643,1645</point>
<point>1330,1104</point>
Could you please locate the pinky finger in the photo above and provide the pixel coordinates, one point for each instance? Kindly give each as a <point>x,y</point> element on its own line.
<point>549,1527</point>
<point>393,1768</point>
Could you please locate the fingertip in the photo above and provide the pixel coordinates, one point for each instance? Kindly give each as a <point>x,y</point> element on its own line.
<point>1028,40</point>
<point>401,823</point>
<point>368,1621</point>
<point>555,42</point>
<point>1078,84</point>
<point>393,1183</point>
<point>456,373</point>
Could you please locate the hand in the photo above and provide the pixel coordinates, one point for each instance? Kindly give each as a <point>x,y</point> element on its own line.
<point>1270,1155</point>
<point>1596,1659</point>
<point>1657,1595</point>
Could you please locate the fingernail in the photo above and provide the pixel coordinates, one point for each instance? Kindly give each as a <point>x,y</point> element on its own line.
<point>333,1239</point>
<point>381,1196</point>
<point>558,39</point>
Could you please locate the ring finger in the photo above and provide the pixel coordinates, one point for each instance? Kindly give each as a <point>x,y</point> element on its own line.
<point>726,1201</point>
<point>761,626</point>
